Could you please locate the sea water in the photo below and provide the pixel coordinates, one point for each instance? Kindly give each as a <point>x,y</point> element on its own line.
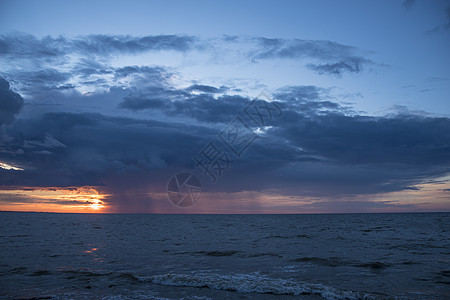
<point>125,256</point>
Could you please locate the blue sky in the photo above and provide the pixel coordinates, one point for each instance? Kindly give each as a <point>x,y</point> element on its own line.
<point>410,59</point>
<point>363,86</point>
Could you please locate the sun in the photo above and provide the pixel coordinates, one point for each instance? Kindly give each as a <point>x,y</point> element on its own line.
<point>96,206</point>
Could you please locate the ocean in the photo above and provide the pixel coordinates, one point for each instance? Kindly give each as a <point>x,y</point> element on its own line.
<point>132,256</point>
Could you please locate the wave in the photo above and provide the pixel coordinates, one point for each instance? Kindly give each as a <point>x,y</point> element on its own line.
<point>218,253</point>
<point>254,283</point>
<point>336,262</point>
<point>374,265</point>
<point>242,283</point>
<point>331,262</point>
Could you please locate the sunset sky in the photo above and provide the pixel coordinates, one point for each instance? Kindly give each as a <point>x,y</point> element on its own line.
<point>101,103</point>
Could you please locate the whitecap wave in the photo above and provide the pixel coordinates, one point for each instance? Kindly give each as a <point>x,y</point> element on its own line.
<point>251,283</point>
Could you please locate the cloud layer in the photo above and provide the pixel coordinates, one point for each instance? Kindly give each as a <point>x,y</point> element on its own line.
<point>316,148</point>
<point>127,129</point>
<point>51,62</point>
<point>10,103</point>
<point>333,58</point>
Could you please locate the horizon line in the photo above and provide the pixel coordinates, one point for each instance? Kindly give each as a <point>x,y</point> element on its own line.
<point>311,213</point>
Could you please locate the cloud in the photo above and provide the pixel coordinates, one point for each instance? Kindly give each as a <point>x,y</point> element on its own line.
<point>155,73</point>
<point>105,44</point>
<point>335,58</point>
<point>202,108</point>
<point>85,148</point>
<point>408,4</point>
<point>10,103</point>
<point>41,82</point>
<point>351,65</point>
<point>59,64</point>
<point>146,129</point>
<point>21,45</point>
<point>84,62</point>
<point>408,140</point>
<point>87,76</point>
<point>443,27</point>
<point>297,48</point>
<point>153,97</point>
<point>17,198</point>
<point>206,89</point>
<point>316,147</point>
<point>48,142</point>
<point>321,148</point>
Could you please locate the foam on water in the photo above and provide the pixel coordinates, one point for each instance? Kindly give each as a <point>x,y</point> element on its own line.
<point>254,283</point>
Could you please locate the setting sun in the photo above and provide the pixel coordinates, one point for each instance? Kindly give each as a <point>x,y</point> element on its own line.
<point>55,199</point>
<point>97,205</point>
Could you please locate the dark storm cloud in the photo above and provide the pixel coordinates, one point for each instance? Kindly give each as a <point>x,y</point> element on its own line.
<point>335,156</point>
<point>84,149</point>
<point>367,155</point>
<point>157,97</point>
<point>335,58</point>
<point>317,146</point>
<point>139,103</point>
<point>408,140</point>
<point>313,149</point>
<point>221,109</point>
<point>10,103</point>
<point>203,107</point>
<point>320,147</point>
<point>326,129</point>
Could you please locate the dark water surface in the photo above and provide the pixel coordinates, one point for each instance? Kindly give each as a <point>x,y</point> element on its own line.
<point>347,256</point>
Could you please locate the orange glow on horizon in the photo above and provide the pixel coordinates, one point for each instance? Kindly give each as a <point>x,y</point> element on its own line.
<point>53,199</point>
<point>431,196</point>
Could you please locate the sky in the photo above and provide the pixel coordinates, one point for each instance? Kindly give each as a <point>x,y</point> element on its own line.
<point>225,106</point>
